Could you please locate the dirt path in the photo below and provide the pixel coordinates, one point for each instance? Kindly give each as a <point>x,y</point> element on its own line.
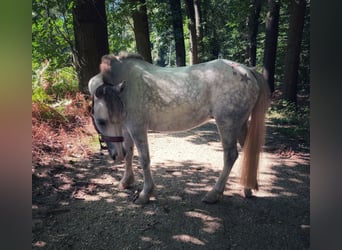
<point>77,205</point>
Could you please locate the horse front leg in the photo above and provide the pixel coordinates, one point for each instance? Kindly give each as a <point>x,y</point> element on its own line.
<point>128,177</point>
<point>144,156</point>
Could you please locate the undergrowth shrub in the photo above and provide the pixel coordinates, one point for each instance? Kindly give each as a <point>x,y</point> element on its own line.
<point>63,83</point>
<point>286,113</point>
<point>59,134</point>
<point>50,85</point>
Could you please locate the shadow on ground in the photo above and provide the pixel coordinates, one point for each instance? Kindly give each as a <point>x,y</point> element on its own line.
<point>78,206</point>
<point>201,135</point>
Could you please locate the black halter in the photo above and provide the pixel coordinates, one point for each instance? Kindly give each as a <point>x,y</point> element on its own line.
<point>103,138</point>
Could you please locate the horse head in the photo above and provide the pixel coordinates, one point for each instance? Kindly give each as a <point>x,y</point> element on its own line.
<point>108,113</point>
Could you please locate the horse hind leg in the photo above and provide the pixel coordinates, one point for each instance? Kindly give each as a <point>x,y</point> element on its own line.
<point>229,142</point>
<point>243,134</point>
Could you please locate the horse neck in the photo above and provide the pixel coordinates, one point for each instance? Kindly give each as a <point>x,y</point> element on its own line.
<point>131,66</point>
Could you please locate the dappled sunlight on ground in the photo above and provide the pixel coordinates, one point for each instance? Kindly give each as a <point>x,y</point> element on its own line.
<point>210,224</point>
<point>188,239</point>
<point>78,205</point>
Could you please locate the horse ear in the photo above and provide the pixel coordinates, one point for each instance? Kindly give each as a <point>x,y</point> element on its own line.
<point>120,87</point>
<point>106,71</point>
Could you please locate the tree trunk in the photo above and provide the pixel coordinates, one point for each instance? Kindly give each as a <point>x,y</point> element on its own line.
<point>199,32</point>
<point>214,46</point>
<point>91,39</point>
<point>293,50</point>
<point>141,30</point>
<point>192,29</point>
<point>177,22</point>
<point>270,51</point>
<point>252,26</point>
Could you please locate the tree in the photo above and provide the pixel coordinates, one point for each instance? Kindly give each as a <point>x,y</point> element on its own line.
<point>52,33</point>
<point>141,30</point>
<point>91,39</point>
<point>120,27</point>
<point>192,29</point>
<point>178,34</point>
<point>272,24</point>
<point>199,32</point>
<point>160,31</point>
<point>252,26</point>
<point>212,38</point>
<point>295,32</point>
<point>220,27</point>
<point>223,23</point>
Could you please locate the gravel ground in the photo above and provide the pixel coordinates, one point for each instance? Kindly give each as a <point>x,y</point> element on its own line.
<point>77,205</point>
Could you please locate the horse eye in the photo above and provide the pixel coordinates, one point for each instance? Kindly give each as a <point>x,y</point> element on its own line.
<point>101,122</point>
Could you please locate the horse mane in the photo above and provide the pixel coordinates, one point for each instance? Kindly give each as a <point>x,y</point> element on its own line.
<point>111,98</point>
<point>125,55</point>
<point>109,60</point>
<point>122,56</point>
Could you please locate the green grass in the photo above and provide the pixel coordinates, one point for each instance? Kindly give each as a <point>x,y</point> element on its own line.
<point>291,120</point>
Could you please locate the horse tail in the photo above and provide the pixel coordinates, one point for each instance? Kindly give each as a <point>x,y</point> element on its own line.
<point>255,137</point>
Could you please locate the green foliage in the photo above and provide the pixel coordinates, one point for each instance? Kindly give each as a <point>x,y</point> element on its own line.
<point>291,121</point>
<point>161,35</point>
<point>52,44</point>
<point>52,32</point>
<point>223,24</point>
<point>39,95</point>
<point>38,92</point>
<point>234,34</point>
<point>304,66</point>
<point>287,113</point>
<point>284,16</point>
<point>50,85</point>
<point>64,82</point>
<point>120,27</point>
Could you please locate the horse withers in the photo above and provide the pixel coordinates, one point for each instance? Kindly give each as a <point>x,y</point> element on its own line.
<point>132,96</point>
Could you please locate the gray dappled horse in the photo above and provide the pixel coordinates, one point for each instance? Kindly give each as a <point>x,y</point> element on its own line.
<point>132,96</point>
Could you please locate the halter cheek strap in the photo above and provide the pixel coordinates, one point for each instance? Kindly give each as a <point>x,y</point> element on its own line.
<point>104,138</point>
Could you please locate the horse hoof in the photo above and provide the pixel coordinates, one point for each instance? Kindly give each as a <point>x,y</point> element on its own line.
<point>123,186</point>
<point>142,198</point>
<point>212,197</point>
<point>141,201</point>
<point>247,193</point>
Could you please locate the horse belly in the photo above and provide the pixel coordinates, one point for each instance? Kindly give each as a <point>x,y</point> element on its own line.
<point>180,119</point>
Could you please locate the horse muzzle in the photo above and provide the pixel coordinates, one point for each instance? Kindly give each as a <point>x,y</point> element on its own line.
<point>116,150</point>
<point>119,155</point>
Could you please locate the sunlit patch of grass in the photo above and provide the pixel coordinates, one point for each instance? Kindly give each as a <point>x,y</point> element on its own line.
<point>93,142</point>
<point>286,113</point>
<point>291,121</point>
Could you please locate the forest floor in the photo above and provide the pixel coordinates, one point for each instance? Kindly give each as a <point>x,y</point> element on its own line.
<point>76,203</point>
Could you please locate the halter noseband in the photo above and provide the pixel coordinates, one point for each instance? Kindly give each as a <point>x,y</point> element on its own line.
<point>111,138</point>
